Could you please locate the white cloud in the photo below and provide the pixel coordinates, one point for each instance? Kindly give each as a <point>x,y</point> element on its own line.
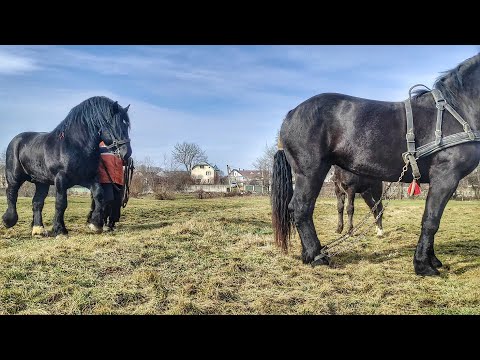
<point>13,64</point>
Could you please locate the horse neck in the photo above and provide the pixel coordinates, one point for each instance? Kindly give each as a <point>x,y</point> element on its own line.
<point>468,100</point>
<point>81,142</point>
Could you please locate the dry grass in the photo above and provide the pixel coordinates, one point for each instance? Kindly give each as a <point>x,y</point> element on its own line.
<point>215,256</point>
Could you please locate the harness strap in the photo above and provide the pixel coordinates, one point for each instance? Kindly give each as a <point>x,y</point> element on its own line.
<point>409,156</point>
<point>447,141</point>
<point>440,103</point>
<point>465,125</point>
<point>410,136</point>
<point>117,143</point>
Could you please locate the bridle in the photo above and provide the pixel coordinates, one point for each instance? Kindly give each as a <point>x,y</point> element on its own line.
<point>115,145</point>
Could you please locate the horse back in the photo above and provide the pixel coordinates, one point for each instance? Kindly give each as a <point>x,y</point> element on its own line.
<point>362,135</point>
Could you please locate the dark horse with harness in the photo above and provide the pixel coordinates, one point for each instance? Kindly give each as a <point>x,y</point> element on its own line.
<point>433,134</point>
<point>67,156</point>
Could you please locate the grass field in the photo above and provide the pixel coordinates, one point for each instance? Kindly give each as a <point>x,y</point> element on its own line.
<point>215,256</point>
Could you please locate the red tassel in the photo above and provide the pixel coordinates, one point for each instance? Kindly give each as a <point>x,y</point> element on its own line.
<point>414,189</point>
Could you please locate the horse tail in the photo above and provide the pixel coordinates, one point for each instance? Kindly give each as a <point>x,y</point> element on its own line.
<point>282,192</point>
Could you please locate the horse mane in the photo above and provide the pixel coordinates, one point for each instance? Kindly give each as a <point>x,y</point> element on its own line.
<point>451,82</point>
<point>89,116</point>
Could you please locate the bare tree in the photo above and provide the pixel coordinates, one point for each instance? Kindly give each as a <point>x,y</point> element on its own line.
<point>168,163</point>
<point>264,163</point>
<point>188,154</point>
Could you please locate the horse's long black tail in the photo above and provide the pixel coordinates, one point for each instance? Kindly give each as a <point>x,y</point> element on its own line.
<point>282,192</point>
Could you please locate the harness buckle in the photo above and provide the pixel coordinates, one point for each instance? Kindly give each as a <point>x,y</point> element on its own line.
<point>410,137</point>
<point>441,104</point>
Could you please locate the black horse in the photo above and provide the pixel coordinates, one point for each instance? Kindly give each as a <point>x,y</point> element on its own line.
<point>348,184</point>
<point>367,137</point>
<point>67,156</point>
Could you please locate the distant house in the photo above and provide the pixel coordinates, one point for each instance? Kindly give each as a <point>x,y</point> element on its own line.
<point>204,173</point>
<point>241,176</point>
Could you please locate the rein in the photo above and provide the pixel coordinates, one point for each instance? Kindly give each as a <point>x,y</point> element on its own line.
<point>127,180</point>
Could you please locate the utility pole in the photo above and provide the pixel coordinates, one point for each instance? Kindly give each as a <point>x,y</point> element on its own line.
<point>228,177</point>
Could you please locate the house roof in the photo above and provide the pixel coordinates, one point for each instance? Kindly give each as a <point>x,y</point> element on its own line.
<point>215,168</point>
<point>250,174</point>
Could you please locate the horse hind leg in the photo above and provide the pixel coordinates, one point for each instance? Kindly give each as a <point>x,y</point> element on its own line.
<point>10,217</point>
<point>371,197</point>
<point>340,207</point>
<point>307,188</point>
<point>350,208</point>
<point>38,201</point>
<point>96,219</point>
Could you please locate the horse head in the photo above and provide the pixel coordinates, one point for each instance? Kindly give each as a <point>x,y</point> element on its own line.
<point>115,132</point>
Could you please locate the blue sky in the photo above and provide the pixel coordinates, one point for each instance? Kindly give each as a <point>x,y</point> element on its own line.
<point>228,99</point>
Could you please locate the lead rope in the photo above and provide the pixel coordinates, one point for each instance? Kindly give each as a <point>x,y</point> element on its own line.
<point>326,251</point>
<point>127,179</point>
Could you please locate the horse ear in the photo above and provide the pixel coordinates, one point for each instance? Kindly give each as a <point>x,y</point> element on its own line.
<point>126,109</point>
<point>115,108</point>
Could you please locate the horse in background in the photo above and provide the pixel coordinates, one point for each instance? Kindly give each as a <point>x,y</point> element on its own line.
<point>347,185</point>
<point>67,156</point>
<point>367,137</point>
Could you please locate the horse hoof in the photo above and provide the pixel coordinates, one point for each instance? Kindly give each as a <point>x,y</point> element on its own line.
<point>425,270</point>
<point>435,262</point>
<point>9,221</point>
<point>95,229</point>
<point>61,236</point>
<point>321,259</point>
<point>39,231</point>
<point>379,231</point>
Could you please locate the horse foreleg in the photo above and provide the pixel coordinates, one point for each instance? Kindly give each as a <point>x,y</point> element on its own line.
<point>92,208</point>
<point>41,192</point>
<point>10,217</point>
<point>96,219</point>
<point>441,189</point>
<point>61,186</point>
<point>340,207</point>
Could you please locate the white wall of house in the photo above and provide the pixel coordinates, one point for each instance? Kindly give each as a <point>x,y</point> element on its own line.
<point>203,174</point>
<point>236,176</point>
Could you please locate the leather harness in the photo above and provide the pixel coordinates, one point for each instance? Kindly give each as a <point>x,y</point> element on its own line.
<point>413,154</point>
